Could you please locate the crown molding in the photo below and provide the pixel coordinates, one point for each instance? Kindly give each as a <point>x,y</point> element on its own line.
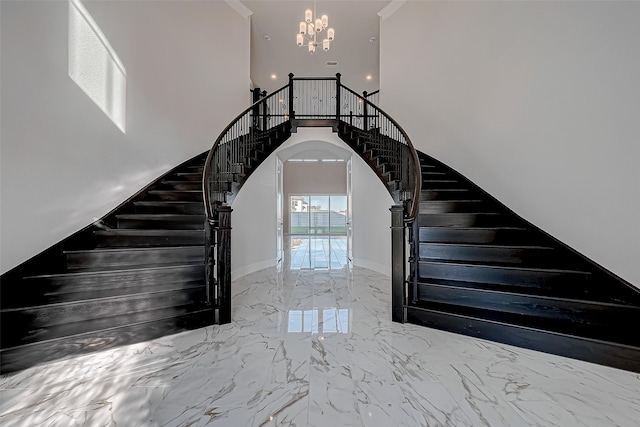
<point>391,8</point>
<point>242,10</point>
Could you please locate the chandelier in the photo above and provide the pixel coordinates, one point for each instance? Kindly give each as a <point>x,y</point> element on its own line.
<point>310,30</point>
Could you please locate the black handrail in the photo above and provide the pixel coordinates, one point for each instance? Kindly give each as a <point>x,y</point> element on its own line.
<point>207,172</point>
<point>259,129</point>
<point>407,166</point>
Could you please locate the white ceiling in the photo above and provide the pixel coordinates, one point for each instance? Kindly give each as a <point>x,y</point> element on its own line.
<point>355,23</point>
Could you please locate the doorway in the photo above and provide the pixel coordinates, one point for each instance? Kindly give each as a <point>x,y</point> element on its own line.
<point>318,226</point>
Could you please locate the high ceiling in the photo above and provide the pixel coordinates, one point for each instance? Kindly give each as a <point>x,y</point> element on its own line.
<point>274,25</point>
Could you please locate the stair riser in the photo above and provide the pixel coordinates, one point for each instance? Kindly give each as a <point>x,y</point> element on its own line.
<point>188,238</point>
<point>188,176</point>
<point>161,224</point>
<point>516,256</point>
<point>182,186</point>
<point>186,208</point>
<point>195,196</point>
<point>441,207</point>
<point>14,359</point>
<point>623,357</point>
<point>596,320</point>
<point>432,183</point>
<point>501,276</point>
<point>31,324</point>
<point>48,293</point>
<point>479,236</point>
<point>451,194</point>
<point>71,287</point>
<point>99,259</point>
<point>463,220</point>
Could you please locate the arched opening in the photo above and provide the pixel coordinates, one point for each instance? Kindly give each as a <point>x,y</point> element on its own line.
<point>256,206</point>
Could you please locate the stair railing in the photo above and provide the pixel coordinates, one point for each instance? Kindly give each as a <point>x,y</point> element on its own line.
<point>225,169</point>
<point>304,102</point>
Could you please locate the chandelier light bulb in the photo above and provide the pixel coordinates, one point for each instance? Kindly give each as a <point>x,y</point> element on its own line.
<point>310,29</point>
<point>312,48</point>
<point>303,27</point>
<point>325,44</point>
<point>308,16</point>
<point>318,25</point>
<point>325,21</point>
<point>331,33</point>
<point>300,40</point>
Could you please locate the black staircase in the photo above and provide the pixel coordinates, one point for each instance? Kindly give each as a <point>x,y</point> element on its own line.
<point>135,275</point>
<point>473,266</point>
<point>161,262</point>
<point>481,270</point>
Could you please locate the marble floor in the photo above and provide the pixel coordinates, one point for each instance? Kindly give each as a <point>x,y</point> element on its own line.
<point>318,348</point>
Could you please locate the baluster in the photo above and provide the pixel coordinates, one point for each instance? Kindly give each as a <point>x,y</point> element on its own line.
<point>338,75</point>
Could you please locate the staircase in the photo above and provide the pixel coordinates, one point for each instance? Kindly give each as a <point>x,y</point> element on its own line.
<point>135,275</point>
<point>481,270</point>
<point>161,262</point>
<point>476,268</point>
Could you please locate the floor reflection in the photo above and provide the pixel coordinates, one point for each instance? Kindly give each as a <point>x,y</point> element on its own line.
<point>319,321</point>
<point>314,252</point>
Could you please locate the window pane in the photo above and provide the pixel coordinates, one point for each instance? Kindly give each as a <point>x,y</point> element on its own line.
<point>338,216</point>
<point>299,209</point>
<point>319,209</point>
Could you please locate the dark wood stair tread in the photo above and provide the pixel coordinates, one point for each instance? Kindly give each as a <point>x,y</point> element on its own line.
<point>510,332</point>
<point>27,355</point>
<point>148,232</point>
<point>511,268</point>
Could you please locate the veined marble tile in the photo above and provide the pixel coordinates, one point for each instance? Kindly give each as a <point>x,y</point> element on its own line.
<point>318,348</point>
<point>283,404</point>
<point>332,397</point>
<point>401,415</point>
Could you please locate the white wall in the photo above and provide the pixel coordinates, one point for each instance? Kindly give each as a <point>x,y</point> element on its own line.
<point>537,102</point>
<point>371,219</point>
<point>254,243</point>
<point>64,163</point>
<point>253,222</point>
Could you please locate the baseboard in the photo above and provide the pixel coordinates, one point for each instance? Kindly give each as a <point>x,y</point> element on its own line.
<point>377,267</point>
<point>251,268</point>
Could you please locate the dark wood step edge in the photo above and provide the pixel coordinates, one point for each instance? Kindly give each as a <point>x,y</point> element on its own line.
<point>619,356</point>
<point>102,299</point>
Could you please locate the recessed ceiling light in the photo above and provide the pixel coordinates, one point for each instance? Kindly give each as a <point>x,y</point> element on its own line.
<point>369,77</point>
<point>372,39</point>
<point>273,77</point>
<point>266,37</point>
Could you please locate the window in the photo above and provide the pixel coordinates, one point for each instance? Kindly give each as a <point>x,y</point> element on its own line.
<point>319,214</point>
<point>94,65</point>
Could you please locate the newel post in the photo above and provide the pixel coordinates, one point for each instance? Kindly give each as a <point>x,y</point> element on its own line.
<point>338,84</point>
<point>224,263</point>
<point>291,112</point>
<point>398,265</point>
<point>210,261</point>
